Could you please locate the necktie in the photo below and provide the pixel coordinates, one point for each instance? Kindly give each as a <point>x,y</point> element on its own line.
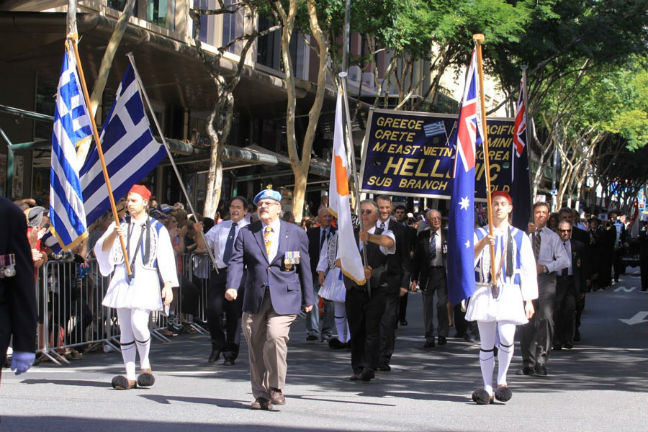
<point>324,236</point>
<point>267,232</point>
<point>227,254</point>
<point>565,271</point>
<point>536,244</point>
<point>433,244</point>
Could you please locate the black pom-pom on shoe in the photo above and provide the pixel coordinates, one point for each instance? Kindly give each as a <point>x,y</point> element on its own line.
<point>145,380</point>
<point>503,394</point>
<point>481,397</point>
<point>120,382</point>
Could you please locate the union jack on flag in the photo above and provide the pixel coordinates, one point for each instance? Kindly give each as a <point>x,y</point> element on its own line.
<point>519,126</point>
<point>461,223</point>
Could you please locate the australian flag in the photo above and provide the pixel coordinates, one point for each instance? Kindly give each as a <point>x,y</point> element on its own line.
<point>130,150</point>
<point>520,190</point>
<point>461,223</point>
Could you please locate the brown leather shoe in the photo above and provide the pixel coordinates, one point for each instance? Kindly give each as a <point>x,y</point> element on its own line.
<point>277,397</point>
<point>261,404</point>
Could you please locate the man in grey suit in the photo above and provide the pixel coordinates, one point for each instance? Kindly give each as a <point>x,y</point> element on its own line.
<point>272,255</point>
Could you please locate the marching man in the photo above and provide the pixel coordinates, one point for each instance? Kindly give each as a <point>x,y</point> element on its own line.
<point>499,309</point>
<point>134,296</point>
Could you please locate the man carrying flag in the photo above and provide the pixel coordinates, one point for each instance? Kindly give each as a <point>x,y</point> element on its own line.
<point>496,305</point>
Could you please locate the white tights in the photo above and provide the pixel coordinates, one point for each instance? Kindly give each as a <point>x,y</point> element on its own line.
<point>490,333</point>
<point>133,324</point>
<point>341,323</point>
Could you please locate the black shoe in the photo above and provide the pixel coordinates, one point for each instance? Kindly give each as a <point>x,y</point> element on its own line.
<point>527,371</point>
<point>442,340</point>
<point>541,370</point>
<point>384,368</point>
<point>503,394</point>
<point>228,362</point>
<point>569,345</point>
<point>146,379</point>
<point>214,356</point>
<point>367,374</point>
<point>429,344</point>
<point>311,338</point>
<point>334,343</point>
<point>403,322</point>
<point>557,347</point>
<point>481,397</point>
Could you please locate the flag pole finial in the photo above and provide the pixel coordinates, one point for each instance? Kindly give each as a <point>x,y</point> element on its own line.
<point>479,37</point>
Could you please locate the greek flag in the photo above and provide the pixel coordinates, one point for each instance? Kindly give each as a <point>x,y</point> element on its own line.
<point>130,151</point>
<point>434,129</point>
<point>71,127</point>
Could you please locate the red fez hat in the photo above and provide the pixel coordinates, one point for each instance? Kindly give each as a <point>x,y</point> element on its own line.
<point>502,194</point>
<point>141,190</point>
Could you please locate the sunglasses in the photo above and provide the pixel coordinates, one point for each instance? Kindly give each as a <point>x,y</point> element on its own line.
<point>366,211</point>
<point>568,230</point>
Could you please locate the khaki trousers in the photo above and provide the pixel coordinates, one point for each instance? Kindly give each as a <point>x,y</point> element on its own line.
<point>266,334</point>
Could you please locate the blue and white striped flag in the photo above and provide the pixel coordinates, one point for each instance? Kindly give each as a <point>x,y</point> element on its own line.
<point>130,151</point>
<point>71,127</point>
<point>434,129</point>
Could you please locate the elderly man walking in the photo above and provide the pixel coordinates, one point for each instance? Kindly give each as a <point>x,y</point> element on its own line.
<point>272,256</point>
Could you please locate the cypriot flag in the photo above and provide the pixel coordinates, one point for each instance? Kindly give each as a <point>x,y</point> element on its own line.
<point>339,203</point>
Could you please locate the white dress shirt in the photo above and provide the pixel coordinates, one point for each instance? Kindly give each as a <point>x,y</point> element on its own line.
<point>217,238</point>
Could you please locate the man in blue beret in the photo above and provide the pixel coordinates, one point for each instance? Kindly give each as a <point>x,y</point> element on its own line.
<point>278,283</point>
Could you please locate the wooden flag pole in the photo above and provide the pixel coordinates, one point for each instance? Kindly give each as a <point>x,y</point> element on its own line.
<point>95,134</point>
<point>131,59</point>
<point>479,38</point>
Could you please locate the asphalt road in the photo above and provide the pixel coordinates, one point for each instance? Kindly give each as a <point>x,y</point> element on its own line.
<point>600,385</point>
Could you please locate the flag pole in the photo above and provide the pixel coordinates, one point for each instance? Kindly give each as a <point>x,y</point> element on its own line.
<point>95,134</point>
<point>351,151</point>
<point>479,38</point>
<point>166,147</point>
<point>528,126</point>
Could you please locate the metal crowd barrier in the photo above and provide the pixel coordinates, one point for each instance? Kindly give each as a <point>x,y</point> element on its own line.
<point>71,314</point>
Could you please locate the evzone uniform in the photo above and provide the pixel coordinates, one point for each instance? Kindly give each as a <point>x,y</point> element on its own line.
<point>151,256</point>
<point>497,316</point>
<point>334,289</point>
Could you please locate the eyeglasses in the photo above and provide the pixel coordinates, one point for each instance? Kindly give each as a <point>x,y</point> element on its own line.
<point>567,230</point>
<point>266,203</point>
<point>366,211</point>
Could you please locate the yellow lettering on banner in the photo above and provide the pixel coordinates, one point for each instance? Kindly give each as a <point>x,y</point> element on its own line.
<point>431,151</point>
<point>391,164</point>
<point>379,181</point>
<point>497,168</point>
<point>420,173</point>
<point>408,166</point>
<point>379,147</point>
<point>422,185</point>
<point>496,188</point>
<point>434,172</point>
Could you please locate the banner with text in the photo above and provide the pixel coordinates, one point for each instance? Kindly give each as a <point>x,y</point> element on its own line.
<point>409,154</point>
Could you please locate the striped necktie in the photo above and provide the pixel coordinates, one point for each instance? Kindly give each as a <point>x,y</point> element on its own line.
<point>267,239</point>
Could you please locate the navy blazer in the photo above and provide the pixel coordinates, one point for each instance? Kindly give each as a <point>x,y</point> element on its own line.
<point>290,286</point>
<point>17,293</point>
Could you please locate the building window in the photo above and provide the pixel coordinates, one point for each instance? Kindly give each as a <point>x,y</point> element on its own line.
<point>161,12</point>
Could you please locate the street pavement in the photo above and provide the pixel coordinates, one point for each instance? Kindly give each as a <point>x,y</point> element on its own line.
<point>600,385</point>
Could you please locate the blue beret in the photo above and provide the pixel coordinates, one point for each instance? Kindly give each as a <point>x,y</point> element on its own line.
<point>267,194</point>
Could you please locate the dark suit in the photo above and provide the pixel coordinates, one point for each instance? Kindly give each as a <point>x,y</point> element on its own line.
<point>398,275</point>
<point>17,293</point>
<point>364,308</point>
<point>274,294</point>
<point>313,319</point>
<point>431,275</point>
<point>643,257</point>
<point>568,290</point>
<point>410,245</point>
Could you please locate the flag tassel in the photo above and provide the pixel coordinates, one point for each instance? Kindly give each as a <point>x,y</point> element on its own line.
<point>95,135</point>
